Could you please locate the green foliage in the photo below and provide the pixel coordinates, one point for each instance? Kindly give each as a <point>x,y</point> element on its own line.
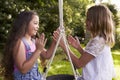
<point>47,10</point>
<point>74,15</point>
<point>117,44</point>
<point>8,11</point>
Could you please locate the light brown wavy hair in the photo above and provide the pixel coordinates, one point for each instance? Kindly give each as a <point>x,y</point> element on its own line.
<point>101,23</point>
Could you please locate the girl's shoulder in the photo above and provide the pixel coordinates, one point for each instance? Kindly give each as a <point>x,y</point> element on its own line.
<point>26,42</point>
<point>98,39</point>
<point>95,46</point>
<point>19,43</point>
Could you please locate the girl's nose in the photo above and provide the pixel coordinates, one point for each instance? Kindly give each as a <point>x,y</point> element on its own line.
<point>37,26</point>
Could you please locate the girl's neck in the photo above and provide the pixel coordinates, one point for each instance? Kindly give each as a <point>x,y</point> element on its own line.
<point>28,37</point>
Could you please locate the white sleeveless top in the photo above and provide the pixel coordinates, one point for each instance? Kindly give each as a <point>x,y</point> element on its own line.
<point>101,67</point>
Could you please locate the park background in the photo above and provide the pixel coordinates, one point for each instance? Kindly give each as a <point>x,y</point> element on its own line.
<point>74,23</point>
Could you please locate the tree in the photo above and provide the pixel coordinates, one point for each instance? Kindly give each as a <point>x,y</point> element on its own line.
<point>74,12</point>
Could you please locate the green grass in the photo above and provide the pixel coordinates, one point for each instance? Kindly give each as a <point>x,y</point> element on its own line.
<point>116,58</point>
<point>62,66</point>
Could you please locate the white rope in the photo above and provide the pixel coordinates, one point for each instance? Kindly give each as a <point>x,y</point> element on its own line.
<point>50,61</point>
<point>62,35</point>
<point>67,49</point>
<point>61,13</point>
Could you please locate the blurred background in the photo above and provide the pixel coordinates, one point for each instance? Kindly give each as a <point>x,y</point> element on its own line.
<point>74,23</point>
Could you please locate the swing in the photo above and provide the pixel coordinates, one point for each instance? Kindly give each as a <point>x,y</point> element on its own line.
<point>61,77</point>
<point>76,75</point>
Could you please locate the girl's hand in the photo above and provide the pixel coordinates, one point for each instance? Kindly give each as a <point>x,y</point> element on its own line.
<point>73,41</point>
<point>40,42</point>
<point>56,36</point>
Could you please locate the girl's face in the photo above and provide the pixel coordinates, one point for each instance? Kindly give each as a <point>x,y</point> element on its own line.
<point>33,25</point>
<point>88,24</point>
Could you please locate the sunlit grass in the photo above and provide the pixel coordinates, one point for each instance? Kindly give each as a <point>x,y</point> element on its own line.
<point>116,58</point>
<point>118,30</point>
<point>62,66</point>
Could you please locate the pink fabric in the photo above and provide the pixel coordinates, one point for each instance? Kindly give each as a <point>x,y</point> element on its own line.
<point>32,49</point>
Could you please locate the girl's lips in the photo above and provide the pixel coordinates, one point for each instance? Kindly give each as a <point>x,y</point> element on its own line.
<point>36,29</point>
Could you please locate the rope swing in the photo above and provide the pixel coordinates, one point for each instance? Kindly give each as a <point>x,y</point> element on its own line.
<point>63,36</point>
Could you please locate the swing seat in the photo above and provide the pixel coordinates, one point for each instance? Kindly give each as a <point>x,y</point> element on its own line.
<point>61,77</point>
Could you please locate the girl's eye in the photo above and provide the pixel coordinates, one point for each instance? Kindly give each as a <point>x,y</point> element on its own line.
<point>36,23</point>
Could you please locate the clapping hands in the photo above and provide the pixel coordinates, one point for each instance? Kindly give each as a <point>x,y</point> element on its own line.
<point>41,42</point>
<point>71,40</point>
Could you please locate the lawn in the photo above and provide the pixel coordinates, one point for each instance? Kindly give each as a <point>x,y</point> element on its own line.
<point>116,57</point>
<point>61,66</point>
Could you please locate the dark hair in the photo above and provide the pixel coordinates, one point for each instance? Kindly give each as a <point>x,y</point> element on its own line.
<point>20,26</point>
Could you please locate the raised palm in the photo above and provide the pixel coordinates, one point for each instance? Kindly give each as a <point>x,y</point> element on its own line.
<point>73,41</point>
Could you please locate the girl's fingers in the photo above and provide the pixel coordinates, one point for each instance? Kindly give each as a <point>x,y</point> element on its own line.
<point>45,42</point>
<point>42,38</point>
<point>55,35</point>
<point>70,39</point>
<point>54,38</point>
<point>77,39</point>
